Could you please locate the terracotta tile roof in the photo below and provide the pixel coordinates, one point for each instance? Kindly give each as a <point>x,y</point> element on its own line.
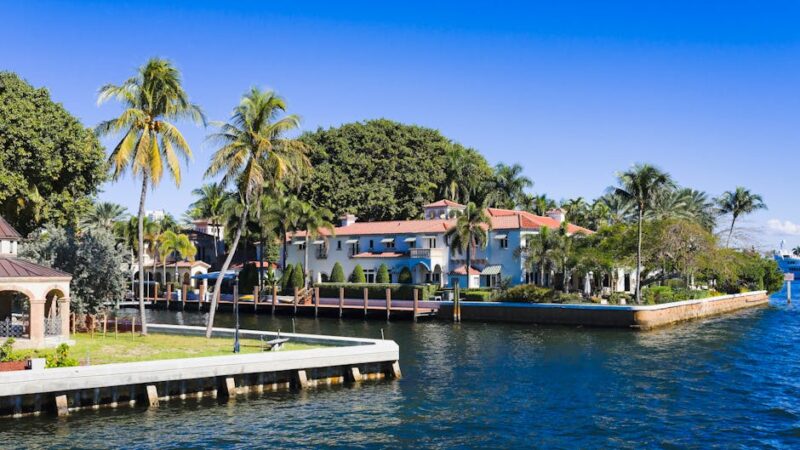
<point>7,231</point>
<point>18,268</point>
<point>502,219</point>
<point>443,203</point>
<point>241,265</point>
<point>461,270</point>
<point>180,264</point>
<point>379,255</point>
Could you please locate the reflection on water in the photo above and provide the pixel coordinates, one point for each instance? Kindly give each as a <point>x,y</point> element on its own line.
<point>724,382</point>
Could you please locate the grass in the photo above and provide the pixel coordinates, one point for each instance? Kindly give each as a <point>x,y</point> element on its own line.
<point>130,348</point>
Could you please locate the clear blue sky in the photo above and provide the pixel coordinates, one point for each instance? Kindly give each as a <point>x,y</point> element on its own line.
<point>574,91</point>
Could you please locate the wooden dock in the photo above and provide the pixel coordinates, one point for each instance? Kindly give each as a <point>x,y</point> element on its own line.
<point>303,303</point>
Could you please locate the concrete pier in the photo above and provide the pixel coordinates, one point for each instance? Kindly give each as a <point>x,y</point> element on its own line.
<point>63,390</point>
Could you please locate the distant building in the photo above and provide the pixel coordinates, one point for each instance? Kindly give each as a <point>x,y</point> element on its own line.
<point>155,215</point>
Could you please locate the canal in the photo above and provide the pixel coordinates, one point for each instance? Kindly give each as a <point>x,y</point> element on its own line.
<point>722,382</point>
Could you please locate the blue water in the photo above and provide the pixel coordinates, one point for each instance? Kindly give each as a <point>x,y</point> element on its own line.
<point>718,383</point>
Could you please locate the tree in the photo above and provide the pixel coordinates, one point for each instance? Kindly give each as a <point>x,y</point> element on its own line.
<point>211,197</point>
<point>337,273</point>
<point>358,275</point>
<point>540,252</point>
<point>404,277</point>
<point>384,170</point>
<point>282,215</point>
<point>50,164</point>
<point>298,277</point>
<point>286,278</point>
<point>796,251</point>
<point>103,215</point>
<point>508,186</point>
<point>383,276</point>
<point>737,203</point>
<point>641,185</point>
<point>151,99</point>
<point>171,242</point>
<point>93,258</point>
<point>313,222</point>
<point>470,232</point>
<point>254,153</point>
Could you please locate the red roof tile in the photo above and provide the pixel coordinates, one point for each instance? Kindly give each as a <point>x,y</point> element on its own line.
<point>443,203</point>
<point>18,268</point>
<point>461,270</point>
<point>7,231</point>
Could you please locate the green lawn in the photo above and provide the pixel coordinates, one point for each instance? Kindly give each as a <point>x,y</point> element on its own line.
<point>129,348</point>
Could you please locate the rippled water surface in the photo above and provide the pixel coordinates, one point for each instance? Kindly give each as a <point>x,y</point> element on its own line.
<point>724,382</point>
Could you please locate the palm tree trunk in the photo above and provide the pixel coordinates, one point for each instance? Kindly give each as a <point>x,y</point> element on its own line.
<point>305,262</point>
<point>639,259</point>
<point>142,315</point>
<point>261,265</point>
<point>164,273</point>
<point>541,272</point>
<point>218,284</point>
<point>730,233</point>
<point>284,249</point>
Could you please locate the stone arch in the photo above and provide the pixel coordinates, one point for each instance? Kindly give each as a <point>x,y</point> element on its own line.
<point>51,305</point>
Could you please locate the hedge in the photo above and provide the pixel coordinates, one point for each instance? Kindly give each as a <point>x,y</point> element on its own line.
<point>376,291</point>
<point>477,296</point>
<point>383,275</point>
<point>337,274</point>
<point>358,275</point>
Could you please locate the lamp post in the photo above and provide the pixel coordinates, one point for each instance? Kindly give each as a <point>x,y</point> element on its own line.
<point>236,313</point>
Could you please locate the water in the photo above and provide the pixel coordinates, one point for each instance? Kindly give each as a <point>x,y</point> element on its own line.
<point>723,382</point>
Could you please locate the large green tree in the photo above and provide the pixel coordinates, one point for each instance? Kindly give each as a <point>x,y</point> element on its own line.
<point>50,164</point>
<point>383,170</point>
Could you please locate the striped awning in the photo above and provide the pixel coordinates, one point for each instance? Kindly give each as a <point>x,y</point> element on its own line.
<point>319,242</point>
<point>351,241</point>
<point>298,242</point>
<point>410,239</point>
<point>491,270</point>
<point>500,236</point>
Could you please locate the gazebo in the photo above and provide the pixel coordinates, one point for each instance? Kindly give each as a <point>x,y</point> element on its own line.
<point>34,300</point>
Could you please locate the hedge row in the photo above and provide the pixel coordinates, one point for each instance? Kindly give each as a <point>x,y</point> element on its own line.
<point>375,290</point>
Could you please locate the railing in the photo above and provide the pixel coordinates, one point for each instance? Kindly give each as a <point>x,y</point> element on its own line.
<point>52,326</point>
<point>12,328</point>
<point>426,252</point>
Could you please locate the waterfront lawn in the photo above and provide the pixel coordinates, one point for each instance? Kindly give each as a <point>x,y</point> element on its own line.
<point>129,348</point>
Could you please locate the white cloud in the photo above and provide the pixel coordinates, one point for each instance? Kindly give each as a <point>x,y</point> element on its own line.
<point>785,227</point>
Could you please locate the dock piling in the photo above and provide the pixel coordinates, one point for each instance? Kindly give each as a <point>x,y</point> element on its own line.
<point>388,303</point>
<point>341,301</point>
<point>61,405</point>
<point>366,301</point>
<point>416,304</point>
<point>152,395</point>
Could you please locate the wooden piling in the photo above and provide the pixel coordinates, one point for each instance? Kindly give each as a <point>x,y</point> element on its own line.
<point>366,301</point>
<point>416,304</point>
<point>395,370</point>
<point>230,387</point>
<point>355,374</point>
<point>341,301</point>
<point>296,298</point>
<point>169,293</point>
<point>202,296</point>
<point>62,406</point>
<point>152,395</point>
<point>316,301</point>
<point>388,303</point>
<point>184,293</point>
<point>274,298</point>
<point>302,379</point>
<point>256,293</point>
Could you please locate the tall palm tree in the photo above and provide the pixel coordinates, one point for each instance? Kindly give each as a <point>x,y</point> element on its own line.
<point>738,202</point>
<point>508,185</point>
<point>313,221</point>
<point>254,153</point>
<point>470,232</point>
<point>209,206</point>
<point>282,215</point>
<point>577,210</point>
<point>641,185</point>
<point>540,251</point>
<point>796,251</point>
<point>151,98</point>
<point>103,215</point>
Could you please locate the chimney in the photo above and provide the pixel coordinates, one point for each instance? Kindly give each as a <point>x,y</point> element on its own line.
<point>557,214</point>
<point>347,220</point>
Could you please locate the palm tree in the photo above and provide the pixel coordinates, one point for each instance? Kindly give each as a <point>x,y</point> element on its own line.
<point>209,206</point>
<point>103,215</point>
<point>796,251</point>
<point>470,232</point>
<point>641,185</point>
<point>740,201</point>
<point>577,210</point>
<point>313,221</point>
<point>253,153</point>
<point>508,185</point>
<point>540,251</point>
<point>151,98</point>
<point>282,216</point>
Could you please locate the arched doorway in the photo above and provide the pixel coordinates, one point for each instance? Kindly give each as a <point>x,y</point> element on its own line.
<point>15,318</point>
<point>54,312</point>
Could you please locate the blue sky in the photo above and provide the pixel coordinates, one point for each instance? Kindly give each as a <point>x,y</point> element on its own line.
<point>573,91</point>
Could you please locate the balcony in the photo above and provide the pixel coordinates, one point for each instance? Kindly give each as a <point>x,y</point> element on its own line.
<point>427,253</point>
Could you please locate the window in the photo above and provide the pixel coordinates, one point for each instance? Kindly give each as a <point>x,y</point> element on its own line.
<point>504,242</point>
<point>389,244</point>
<point>369,274</point>
<point>301,247</point>
<point>354,248</point>
<point>371,244</point>
<point>412,244</point>
<point>338,245</point>
<point>430,242</point>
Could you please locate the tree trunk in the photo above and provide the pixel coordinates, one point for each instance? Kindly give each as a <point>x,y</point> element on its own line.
<point>305,262</point>
<point>142,314</point>
<point>541,273</point>
<point>164,273</point>
<point>284,249</point>
<point>218,284</point>
<point>639,259</point>
<point>261,265</point>
<point>730,233</point>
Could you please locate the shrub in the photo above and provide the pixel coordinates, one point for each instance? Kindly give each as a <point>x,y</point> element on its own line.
<point>337,274</point>
<point>405,276</point>
<point>6,349</point>
<point>657,294</point>
<point>61,358</point>
<point>286,278</point>
<point>376,291</point>
<point>675,283</point>
<point>358,275</point>
<point>248,279</point>
<point>477,296</point>
<point>529,293</point>
<point>383,275</point>
<point>616,298</point>
<point>298,280</point>
<point>572,297</point>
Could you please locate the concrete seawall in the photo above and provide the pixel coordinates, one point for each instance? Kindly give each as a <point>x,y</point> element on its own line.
<point>68,389</point>
<point>643,317</point>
